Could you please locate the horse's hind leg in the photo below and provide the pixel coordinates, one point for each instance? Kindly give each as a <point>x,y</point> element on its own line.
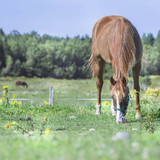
<point>136,71</point>
<point>98,69</point>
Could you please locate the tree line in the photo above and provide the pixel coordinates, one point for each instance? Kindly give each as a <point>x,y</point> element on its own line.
<point>33,55</point>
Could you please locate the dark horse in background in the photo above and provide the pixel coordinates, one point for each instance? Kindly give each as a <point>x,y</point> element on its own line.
<point>116,41</point>
<point>21,83</point>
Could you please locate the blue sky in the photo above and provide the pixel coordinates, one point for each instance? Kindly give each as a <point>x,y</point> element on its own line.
<point>75,17</point>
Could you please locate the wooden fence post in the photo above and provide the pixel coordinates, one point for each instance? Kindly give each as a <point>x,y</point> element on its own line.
<point>51,96</point>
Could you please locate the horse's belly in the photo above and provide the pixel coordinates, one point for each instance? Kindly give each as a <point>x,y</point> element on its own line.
<point>104,51</point>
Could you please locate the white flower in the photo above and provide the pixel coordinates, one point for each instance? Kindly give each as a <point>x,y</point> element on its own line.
<point>134,129</point>
<point>82,134</point>
<point>92,129</point>
<point>72,117</point>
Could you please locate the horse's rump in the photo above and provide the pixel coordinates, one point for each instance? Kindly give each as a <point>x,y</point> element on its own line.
<point>113,41</point>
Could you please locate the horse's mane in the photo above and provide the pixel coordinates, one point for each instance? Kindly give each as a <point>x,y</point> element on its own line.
<point>121,41</point>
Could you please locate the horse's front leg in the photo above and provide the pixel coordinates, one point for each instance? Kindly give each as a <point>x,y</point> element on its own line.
<point>112,109</point>
<point>136,71</point>
<point>99,83</point>
<point>98,69</point>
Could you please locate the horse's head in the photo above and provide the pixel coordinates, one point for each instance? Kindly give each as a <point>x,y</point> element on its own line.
<point>120,96</point>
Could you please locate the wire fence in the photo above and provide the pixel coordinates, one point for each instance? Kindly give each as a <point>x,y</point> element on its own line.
<point>50,99</point>
<point>73,101</point>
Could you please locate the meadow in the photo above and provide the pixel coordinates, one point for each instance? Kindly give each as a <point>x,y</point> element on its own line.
<point>70,129</point>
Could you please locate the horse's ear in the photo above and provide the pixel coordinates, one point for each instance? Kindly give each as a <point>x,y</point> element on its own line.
<point>124,81</point>
<point>113,82</point>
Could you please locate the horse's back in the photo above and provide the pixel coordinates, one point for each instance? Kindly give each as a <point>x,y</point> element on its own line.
<point>104,30</point>
<point>102,24</point>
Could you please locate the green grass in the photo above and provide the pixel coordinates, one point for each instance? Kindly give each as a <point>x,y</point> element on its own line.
<point>38,89</point>
<point>71,139</point>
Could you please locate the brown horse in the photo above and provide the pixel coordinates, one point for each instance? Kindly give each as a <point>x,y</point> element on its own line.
<point>21,83</point>
<point>116,41</point>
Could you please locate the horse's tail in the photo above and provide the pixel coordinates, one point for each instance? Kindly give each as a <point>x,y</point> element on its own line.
<point>90,64</point>
<point>121,41</point>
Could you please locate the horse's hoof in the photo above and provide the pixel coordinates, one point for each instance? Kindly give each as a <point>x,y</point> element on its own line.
<point>98,109</point>
<point>122,120</point>
<point>138,116</point>
<point>98,113</point>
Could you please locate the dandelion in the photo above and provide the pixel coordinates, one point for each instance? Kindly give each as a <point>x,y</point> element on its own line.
<point>5,93</point>
<point>5,87</point>
<point>1,100</point>
<point>106,103</point>
<point>13,102</point>
<point>20,102</point>
<point>126,113</point>
<point>9,125</point>
<point>45,102</point>
<point>47,131</point>
<point>16,103</point>
<point>14,95</point>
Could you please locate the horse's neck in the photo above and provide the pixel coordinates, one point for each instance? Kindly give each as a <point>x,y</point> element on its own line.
<point>117,72</point>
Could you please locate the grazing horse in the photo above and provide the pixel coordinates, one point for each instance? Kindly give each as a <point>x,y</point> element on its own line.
<point>116,41</point>
<point>22,83</point>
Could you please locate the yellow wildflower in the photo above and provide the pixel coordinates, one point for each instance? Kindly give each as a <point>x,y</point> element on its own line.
<point>5,87</point>
<point>152,92</point>
<point>45,102</point>
<point>47,131</point>
<point>145,101</point>
<point>20,102</point>
<point>106,103</point>
<point>1,100</point>
<point>16,103</point>
<point>12,102</point>
<point>9,125</point>
<point>14,95</point>
<point>133,93</point>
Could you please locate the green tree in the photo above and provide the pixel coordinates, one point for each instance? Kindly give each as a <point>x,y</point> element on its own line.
<point>2,50</point>
<point>148,40</point>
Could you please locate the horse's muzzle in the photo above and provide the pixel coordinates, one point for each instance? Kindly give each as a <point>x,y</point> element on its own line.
<point>122,118</point>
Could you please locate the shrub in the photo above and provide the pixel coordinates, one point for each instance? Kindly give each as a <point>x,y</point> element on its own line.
<point>146,80</point>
